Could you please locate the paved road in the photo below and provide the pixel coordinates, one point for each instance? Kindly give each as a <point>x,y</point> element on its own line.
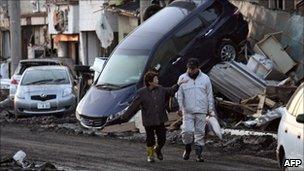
<point>99,153</point>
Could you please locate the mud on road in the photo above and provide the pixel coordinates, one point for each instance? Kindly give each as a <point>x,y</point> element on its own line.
<point>63,142</point>
<point>74,152</point>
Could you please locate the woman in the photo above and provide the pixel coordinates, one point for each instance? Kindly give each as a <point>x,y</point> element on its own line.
<point>151,99</point>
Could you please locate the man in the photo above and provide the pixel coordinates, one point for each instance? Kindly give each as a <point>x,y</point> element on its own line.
<point>195,99</point>
<point>151,99</point>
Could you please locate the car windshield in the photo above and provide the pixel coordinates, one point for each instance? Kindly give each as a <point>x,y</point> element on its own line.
<point>24,65</point>
<point>124,68</point>
<point>43,76</point>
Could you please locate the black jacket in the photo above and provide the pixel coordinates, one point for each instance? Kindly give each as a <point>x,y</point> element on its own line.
<point>152,103</point>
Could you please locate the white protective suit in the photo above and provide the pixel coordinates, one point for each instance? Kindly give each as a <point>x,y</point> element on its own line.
<point>195,99</point>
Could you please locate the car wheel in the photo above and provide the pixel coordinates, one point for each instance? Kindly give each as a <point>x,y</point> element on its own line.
<point>284,168</point>
<point>227,51</point>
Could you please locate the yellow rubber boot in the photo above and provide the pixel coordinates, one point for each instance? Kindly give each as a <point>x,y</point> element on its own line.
<point>150,154</point>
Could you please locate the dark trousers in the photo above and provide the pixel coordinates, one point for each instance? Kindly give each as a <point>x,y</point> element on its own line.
<point>160,131</point>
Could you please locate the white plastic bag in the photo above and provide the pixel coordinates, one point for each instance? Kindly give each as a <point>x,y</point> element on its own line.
<point>104,31</point>
<point>214,126</point>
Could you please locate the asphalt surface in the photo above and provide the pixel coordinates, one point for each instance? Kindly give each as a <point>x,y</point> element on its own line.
<point>99,153</point>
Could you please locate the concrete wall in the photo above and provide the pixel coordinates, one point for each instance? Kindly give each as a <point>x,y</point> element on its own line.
<point>28,8</point>
<point>264,21</point>
<point>6,47</point>
<point>73,19</point>
<point>90,12</point>
<point>89,47</point>
<point>4,22</point>
<point>126,25</point>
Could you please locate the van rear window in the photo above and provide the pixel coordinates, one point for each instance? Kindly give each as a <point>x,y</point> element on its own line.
<point>212,13</point>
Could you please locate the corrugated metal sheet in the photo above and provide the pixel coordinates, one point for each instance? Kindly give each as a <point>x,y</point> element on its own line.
<point>236,81</point>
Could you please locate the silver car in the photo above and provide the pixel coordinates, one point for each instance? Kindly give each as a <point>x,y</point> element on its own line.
<point>22,66</point>
<point>45,90</point>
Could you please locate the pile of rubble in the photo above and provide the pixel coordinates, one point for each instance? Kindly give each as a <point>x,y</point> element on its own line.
<point>256,89</point>
<point>19,162</point>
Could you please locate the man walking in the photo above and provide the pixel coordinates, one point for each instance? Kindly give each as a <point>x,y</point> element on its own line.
<point>195,99</point>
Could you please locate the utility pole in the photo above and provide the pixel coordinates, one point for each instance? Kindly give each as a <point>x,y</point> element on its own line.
<point>15,33</point>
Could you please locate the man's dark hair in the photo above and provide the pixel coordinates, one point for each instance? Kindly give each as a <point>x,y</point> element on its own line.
<point>149,77</point>
<point>193,63</point>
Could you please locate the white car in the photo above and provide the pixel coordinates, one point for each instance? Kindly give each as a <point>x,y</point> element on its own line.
<point>290,151</point>
<point>22,66</point>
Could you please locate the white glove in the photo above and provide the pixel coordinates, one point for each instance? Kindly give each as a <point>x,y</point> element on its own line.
<point>212,114</point>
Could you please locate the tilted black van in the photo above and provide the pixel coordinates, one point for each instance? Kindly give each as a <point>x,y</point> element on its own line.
<point>211,32</point>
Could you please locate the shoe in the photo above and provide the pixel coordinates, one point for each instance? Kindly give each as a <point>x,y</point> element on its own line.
<point>150,159</point>
<point>187,152</point>
<point>150,154</point>
<point>198,151</point>
<point>200,158</point>
<point>158,152</point>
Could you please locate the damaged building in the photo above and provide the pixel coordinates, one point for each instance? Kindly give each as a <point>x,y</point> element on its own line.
<point>34,32</point>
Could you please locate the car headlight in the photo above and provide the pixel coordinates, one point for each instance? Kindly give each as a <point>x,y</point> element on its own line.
<point>20,96</point>
<point>117,114</point>
<point>66,92</point>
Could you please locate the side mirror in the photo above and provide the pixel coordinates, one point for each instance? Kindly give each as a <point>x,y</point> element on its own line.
<point>75,82</point>
<point>300,118</point>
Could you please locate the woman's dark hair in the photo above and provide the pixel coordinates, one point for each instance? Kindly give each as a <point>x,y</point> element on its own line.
<point>149,77</point>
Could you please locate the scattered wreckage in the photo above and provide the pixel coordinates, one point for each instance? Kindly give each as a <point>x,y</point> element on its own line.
<point>259,88</point>
<point>19,162</point>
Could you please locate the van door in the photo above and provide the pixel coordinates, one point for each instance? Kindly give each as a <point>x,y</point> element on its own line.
<point>206,44</point>
<point>173,53</point>
<point>164,56</point>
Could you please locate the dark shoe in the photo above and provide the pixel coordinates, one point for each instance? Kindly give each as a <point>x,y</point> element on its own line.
<point>200,158</point>
<point>187,152</point>
<point>158,153</point>
<point>198,152</point>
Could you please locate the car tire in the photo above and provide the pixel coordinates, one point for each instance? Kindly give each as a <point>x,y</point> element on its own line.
<point>150,10</point>
<point>227,51</point>
<point>282,167</point>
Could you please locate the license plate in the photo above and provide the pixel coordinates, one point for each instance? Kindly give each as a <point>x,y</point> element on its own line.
<point>45,105</point>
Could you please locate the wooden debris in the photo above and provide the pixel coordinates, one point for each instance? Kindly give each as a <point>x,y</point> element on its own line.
<point>176,125</point>
<point>269,102</point>
<point>280,93</point>
<point>260,106</point>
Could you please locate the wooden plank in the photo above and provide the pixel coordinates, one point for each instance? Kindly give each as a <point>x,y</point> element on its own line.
<point>260,106</point>
<point>232,104</point>
<point>248,100</point>
<point>268,101</point>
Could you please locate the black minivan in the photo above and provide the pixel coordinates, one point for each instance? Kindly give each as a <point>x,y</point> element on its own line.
<point>212,32</point>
